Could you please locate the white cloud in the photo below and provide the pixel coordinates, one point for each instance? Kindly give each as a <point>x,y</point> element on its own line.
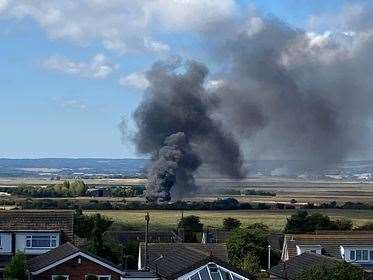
<point>135,80</point>
<point>120,25</point>
<point>3,5</point>
<point>97,68</point>
<point>156,46</point>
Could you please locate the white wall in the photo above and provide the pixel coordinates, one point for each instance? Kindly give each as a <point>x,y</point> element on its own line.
<point>21,243</point>
<point>6,243</point>
<point>345,253</point>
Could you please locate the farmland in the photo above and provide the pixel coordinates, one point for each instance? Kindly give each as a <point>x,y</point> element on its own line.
<point>275,219</point>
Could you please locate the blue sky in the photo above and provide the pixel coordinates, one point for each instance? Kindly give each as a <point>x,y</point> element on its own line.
<point>61,94</point>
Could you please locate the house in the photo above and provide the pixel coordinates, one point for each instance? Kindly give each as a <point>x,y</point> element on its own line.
<point>190,261</point>
<point>72,263</point>
<point>123,237</point>
<point>351,246</point>
<point>33,232</point>
<point>293,267</point>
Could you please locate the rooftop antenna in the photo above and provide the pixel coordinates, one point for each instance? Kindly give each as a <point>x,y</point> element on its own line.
<point>147,220</point>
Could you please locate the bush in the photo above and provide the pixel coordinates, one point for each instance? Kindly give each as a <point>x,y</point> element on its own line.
<point>231,223</point>
<point>191,223</point>
<point>302,222</point>
<point>16,269</point>
<point>340,271</point>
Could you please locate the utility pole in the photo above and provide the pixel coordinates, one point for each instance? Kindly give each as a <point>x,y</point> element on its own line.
<point>269,258</point>
<point>147,219</point>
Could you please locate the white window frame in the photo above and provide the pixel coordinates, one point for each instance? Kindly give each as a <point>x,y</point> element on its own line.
<point>52,237</point>
<point>57,275</point>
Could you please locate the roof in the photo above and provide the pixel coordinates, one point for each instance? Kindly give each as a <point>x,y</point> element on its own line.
<point>52,256</point>
<point>216,261</point>
<point>330,242</point>
<point>64,253</point>
<point>294,266</point>
<point>176,257</point>
<point>153,236</point>
<point>51,220</point>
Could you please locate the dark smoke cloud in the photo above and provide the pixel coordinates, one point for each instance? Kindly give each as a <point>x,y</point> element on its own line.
<point>295,95</point>
<point>175,126</point>
<point>281,93</point>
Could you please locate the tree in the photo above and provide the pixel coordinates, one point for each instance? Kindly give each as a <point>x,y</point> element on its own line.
<point>97,240</point>
<point>231,223</point>
<point>340,271</point>
<point>302,222</point>
<point>250,241</point>
<point>250,263</point>
<point>191,223</point>
<point>17,267</point>
<point>84,224</point>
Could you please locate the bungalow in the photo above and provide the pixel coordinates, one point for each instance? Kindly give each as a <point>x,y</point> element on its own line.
<point>71,263</point>
<point>189,261</point>
<point>351,246</point>
<point>33,232</point>
<point>292,268</point>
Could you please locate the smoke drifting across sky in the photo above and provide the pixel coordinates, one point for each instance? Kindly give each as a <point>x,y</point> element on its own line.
<point>278,92</point>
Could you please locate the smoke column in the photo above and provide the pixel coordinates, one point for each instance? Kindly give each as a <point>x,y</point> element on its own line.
<point>175,126</point>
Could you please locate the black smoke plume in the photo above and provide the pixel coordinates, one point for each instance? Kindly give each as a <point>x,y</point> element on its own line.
<point>175,126</point>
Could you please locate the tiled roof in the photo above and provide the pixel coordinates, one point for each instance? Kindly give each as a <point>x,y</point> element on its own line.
<point>58,254</point>
<point>52,256</point>
<point>330,242</point>
<point>17,220</point>
<point>153,237</point>
<point>294,266</point>
<point>170,258</point>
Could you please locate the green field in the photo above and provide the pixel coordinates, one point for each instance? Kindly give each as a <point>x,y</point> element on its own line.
<point>275,219</point>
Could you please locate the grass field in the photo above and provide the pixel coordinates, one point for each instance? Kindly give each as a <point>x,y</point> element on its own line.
<point>275,219</point>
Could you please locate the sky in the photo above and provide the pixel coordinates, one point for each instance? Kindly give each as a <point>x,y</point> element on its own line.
<point>72,70</point>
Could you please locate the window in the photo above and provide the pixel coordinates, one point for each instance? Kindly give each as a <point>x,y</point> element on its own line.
<point>204,274</point>
<point>41,241</point>
<point>60,277</point>
<point>101,277</point>
<point>352,255</point>
<point>358,255</point>
<point>371,255</point>
<point>365,255</point>
<point>195,277</point>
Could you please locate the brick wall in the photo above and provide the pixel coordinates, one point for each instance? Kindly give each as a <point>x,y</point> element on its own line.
<point>77,271</point>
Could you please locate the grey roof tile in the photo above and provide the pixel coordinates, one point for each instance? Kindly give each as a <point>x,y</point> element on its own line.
<point>180,256</point>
